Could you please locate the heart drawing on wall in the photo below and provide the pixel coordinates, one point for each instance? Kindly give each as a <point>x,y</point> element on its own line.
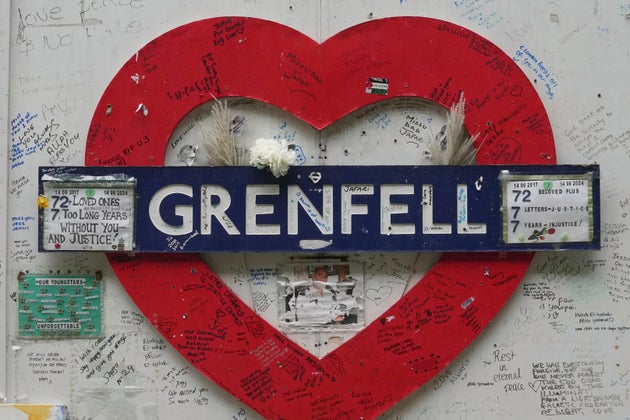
<point>319,83</point>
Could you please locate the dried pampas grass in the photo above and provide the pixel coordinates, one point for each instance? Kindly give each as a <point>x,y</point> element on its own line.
<point>217,138</point>
<point>454,146</point>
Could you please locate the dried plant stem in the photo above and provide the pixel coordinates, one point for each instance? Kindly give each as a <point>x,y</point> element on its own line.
<point>455,147</point>
<point>217,138</point>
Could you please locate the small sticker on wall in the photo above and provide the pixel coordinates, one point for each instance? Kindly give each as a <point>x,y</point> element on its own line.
<point>55,305</point>
<point>377,86</point>
<point>33,411</point>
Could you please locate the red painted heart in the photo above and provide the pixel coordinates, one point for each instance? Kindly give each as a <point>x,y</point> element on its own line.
<point>319,83</point>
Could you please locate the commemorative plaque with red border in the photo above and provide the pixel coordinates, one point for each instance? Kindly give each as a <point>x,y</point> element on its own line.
<point>320,84</point>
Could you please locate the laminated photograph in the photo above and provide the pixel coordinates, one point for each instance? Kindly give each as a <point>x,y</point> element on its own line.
<point>321,295</point>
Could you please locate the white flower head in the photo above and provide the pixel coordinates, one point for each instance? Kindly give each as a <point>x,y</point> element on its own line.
<point>277,155</point>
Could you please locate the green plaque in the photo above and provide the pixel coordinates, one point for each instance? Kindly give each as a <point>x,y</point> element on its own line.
<point>54,305</point>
